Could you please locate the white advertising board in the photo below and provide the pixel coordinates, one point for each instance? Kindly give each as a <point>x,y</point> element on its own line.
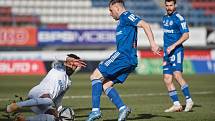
<point>50,55</point>
<point>197,37</point>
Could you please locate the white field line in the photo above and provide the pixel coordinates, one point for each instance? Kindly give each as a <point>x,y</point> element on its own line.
<point>127,95</point>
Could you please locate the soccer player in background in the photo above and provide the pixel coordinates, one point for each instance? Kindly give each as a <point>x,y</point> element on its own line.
<point>175,33</point>
<point>122,62</point>
<point>46,97</point>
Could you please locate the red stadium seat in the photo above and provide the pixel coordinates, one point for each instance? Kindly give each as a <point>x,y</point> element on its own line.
<point>207,5</point>
<point>20,19</point>
<point>5,10</point>
<point>57,26</point>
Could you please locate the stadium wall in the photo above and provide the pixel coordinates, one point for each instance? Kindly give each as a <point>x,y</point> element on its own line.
<point>34,37</point>
<point>29,62</point>
<point>39,62</point>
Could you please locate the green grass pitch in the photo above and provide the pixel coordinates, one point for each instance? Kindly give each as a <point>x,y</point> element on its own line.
<point>146,95</point>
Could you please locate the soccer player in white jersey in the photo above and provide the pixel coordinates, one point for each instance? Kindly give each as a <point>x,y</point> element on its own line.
<point>175,33</point>
<point>46,97</point>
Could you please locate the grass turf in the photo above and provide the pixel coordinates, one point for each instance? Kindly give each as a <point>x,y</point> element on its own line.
<point>146,95</point>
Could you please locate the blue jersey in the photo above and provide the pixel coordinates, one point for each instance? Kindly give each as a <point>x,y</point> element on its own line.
<point>173,26</point>
<point>126,36</point>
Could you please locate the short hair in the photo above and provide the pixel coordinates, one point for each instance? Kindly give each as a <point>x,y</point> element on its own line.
<point>170,1</point>
<point>112,2</point>
<point>73,56</point>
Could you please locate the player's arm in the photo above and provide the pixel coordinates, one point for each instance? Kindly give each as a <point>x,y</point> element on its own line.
<point>183,38</point>
<point>183,27</point>
<point>146,27</point>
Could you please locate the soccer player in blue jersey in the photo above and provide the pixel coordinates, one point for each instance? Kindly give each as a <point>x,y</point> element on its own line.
<point>122,62</point>
<point>175,33</point>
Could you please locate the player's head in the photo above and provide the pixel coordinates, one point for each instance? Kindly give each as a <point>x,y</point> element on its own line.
<point>170,6</point>
<point>116,7</point>
<point>70,71</point>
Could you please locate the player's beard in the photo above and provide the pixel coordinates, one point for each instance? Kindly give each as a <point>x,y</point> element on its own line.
<point>69,71</point>
<point>169,12</point>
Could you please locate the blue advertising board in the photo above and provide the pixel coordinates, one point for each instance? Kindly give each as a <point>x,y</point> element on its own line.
<point>75,36</point>
<point>204,66</point>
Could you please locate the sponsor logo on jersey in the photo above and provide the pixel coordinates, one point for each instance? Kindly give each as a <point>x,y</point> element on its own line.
<point>118,33</point>
<point>168,31</point>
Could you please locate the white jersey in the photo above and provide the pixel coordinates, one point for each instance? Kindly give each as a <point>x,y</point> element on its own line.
<point>55,83</point>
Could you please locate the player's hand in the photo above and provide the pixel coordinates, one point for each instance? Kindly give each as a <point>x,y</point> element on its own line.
<point>164,63</point>
<point>156,49</point>
<point>70,62</point>
<point>170,48</point>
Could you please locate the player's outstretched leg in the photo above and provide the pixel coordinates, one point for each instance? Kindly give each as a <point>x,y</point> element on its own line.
<point>94,115</point>
<point>28,103</point>
<point>113,95</point>
<point>123,113</point>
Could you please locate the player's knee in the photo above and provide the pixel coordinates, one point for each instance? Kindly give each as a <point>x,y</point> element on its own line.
<point>107,85</point>
<point>96,75</point>
<point>178,76</point>
<point>92,77</point>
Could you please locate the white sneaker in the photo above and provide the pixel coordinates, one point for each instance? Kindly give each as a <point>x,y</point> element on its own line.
<point>189,106</point>
<point>174,108</point>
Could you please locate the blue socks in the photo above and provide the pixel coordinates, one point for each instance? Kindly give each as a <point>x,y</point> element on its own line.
<point>114,97</point>
<point>35,102</point>
<point>186,92</point>
<point>110,92</point>
<point>174,96</point>
<point>96,94</point>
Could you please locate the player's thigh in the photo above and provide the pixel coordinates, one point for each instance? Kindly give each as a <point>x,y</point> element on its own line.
<point>168,78</point>
<point>177,61</point>
<point>115,70</point>
<point>179,78</point>
<point>167,68</point>
<point>40,109</point>
<point>35,92</point>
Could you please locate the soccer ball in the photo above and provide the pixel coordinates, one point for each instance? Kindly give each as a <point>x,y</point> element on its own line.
<point>67,114</point>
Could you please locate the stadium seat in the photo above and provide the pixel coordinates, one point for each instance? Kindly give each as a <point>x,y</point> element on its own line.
<point>95,14</point>
<point>4,10</point>
<point>20,19</point>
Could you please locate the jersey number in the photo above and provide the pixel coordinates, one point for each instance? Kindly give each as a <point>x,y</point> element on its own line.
<point>184,25</point>
<point>132,17</point>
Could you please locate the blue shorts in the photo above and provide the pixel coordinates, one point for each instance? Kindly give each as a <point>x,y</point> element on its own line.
<point>116,68</point>
<point>174,62</point>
